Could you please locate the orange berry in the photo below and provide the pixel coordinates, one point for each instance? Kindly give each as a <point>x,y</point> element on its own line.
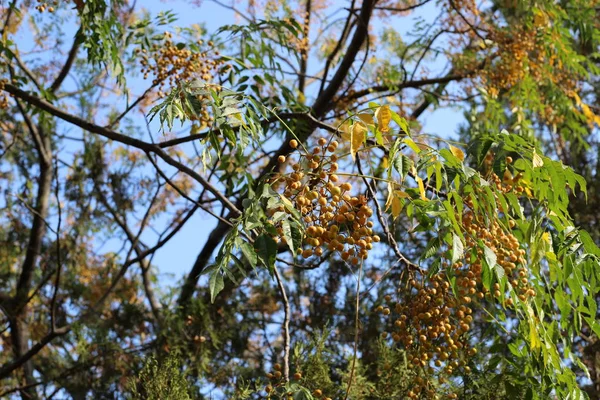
<point>293,143</point>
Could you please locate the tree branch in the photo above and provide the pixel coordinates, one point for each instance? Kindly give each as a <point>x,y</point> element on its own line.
<point>68,63</point>
<point>286,326</point>
<point>110,134</point>
<point>304,50</point>
<point>405,85</point>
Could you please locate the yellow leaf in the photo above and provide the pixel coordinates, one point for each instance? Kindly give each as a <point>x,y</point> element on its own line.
<point>413,170</point>
<point>358,134</point>
<point>345,129</point>
<point>586,111</point>
<point>458,153</point>
<point>576,97</point>
<point>388,201</point>
<point>534,337</point>
<point>410,143</point>
<point>385,162</point>
<point>384,116</point>
<point>546,237</point>
<point>401,194</point>
<point>397,206</point>
<point>394,201</point>
<point>366,118</point>
<point>421,188</point>
<point>537,160</point>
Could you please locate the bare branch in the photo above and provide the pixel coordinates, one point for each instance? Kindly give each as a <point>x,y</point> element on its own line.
<point>403,9</point>
<point>337,48</point>
<point>304,49</point>
<point>68,63</point>
<point>382,221</point>
<point>405,85</point>
<point>58,255</point>
<point>137,101</point>
<point>286,326</point>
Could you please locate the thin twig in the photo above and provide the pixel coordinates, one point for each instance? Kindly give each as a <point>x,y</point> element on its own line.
<point>473,28</point>
<point>286,326</point>
<point>114,122</point>
<point>383,222</point>
<point>182,193</point>
<point>356,330</point>
<point>58,258</point>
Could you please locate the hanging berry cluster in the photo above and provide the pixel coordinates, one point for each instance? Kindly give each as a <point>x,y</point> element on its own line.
<point>335,220</point>
<point>509,183</point>
<point>43,6</point>
<point>432,318</point>
<point>430,324</point>
<point>508,256</point>
<point>171,62</point>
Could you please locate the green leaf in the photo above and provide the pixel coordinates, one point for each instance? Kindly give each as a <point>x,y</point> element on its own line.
<point>215,284</point>
<point>266,249</point>
<point>588,243</point>
<point>247,251</point>
<point>458,248</point>
<point>292,235</point>
<point>489,257</point>
<point>401,122</point>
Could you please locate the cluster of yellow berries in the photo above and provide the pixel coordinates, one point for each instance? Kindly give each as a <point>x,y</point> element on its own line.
<point>43,6</point>
<point>335,219</point>
<point>171,62</point>
<point>508,183</point>
<point>430,323</point>
<point>509,257</point>
<point>510,68</point>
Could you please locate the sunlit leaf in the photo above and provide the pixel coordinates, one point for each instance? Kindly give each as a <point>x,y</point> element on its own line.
<point>458,153</point>
<point>421,188</point>
<point>356,136</point>
<point>384,116</point>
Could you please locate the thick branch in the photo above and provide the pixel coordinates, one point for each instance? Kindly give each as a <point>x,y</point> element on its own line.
<point>405,85</point>
<point>360,35</point>
<point>304,51</point>
<point>68,63</point>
